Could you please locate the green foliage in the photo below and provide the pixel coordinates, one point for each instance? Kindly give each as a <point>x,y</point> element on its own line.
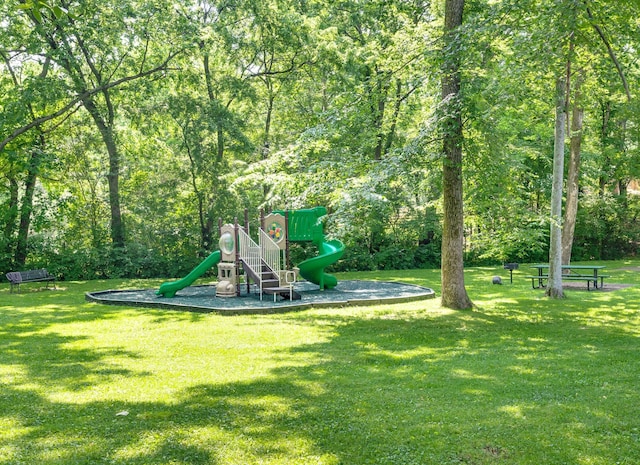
<point>607,228</point>
<point>137,260</point>
<point>282,104</point>
<point>37,7</point>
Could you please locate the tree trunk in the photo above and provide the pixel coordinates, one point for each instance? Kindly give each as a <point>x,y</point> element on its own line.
<point>571,207</point>
<point>378,108</point>
<point>266,143</point>
<point>9,217</point>
<point>220,138</point>
<point>603,179</point>
<point>27,204</point>
<point>454,293</point>
<point>211,95</point>
<point>396,114</point>
<point>554,288</point>
<point>113,176</point>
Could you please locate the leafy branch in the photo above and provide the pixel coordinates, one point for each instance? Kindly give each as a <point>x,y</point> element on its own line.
<point>79,98</point>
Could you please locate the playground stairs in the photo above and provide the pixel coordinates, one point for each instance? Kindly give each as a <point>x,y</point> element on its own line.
<point>268,282</point>
<point>285,292</point>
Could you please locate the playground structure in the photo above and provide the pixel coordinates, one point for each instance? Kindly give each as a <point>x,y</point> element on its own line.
<point>266,262</point>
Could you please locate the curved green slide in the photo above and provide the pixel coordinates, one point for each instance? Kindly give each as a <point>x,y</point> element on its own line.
<point>313,268</point>
<point>170,288</point>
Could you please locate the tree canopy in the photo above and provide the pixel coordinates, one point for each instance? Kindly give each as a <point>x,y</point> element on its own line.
<point>128,128</point>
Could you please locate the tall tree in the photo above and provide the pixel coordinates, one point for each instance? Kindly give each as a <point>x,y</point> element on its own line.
<point>454,293</point>
<point>577,112</point>
<point>94,51</point>
<point>213,114</point>
<point>554,288</point>
<point>33,90</point>
<point>573,174</point>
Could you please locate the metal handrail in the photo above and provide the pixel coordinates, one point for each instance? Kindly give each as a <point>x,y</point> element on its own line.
<point>270,253</point>
<point>254,256</point>
<point>250,255</point>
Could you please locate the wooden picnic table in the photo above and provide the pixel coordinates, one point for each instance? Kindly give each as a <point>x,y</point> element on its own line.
<point>588,273</point>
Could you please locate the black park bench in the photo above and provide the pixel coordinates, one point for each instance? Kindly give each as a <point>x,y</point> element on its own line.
<point>30,276</point>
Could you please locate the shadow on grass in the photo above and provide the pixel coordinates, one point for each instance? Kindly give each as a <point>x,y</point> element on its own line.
<point>526,382</point>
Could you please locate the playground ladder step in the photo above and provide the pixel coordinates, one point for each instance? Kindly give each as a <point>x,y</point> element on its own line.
<point>284,292</point>
<point>270,284</point>
<point>264,276</point>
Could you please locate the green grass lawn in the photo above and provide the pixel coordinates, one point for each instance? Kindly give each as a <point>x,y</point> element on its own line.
<point>519,380</point>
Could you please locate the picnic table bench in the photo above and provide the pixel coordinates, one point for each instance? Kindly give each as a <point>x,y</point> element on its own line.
<point>570,273</point>
<point>29,276</point>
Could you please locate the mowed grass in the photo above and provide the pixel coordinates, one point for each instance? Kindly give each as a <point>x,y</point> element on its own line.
<point>518,380</point>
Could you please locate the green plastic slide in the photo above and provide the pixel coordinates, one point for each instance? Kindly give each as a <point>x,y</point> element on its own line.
<point>313,269</point>
<point>170,288</point>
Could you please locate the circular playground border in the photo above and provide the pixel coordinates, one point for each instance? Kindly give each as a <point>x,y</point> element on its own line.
<point>203,298</point>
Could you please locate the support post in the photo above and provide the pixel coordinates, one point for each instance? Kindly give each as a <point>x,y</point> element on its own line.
<point>286,244</point>
<point>237,261</point>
